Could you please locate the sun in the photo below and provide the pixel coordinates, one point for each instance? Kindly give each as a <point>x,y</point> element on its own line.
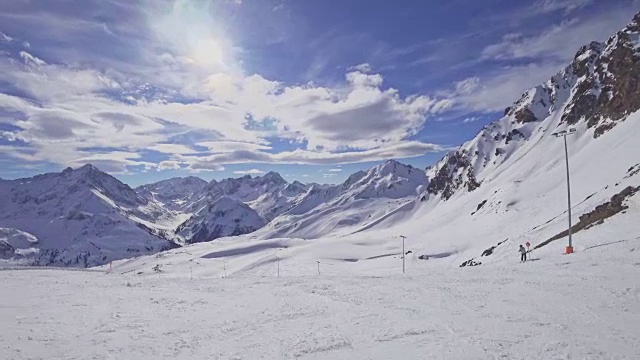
<point>193,31</point>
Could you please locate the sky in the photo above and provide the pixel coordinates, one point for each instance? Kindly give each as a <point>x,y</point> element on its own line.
<point>313,89</point>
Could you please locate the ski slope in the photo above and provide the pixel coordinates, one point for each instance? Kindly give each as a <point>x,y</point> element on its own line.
<point>580,306</point>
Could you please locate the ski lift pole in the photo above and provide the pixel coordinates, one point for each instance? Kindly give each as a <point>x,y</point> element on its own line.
<point>564,134</point>
<point>403,254</point>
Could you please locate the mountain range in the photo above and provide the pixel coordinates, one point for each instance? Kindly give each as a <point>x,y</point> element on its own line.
<point>507,184</point>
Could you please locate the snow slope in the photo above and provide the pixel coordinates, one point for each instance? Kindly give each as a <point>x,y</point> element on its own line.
<point>508,183</point>
<point>583,306</point>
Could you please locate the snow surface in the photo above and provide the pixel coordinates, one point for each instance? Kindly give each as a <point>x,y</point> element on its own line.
<point>582,306</point>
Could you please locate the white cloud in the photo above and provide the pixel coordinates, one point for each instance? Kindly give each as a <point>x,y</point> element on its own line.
<point>399,151</point>
<point>360,79</point>
<point>31,60</point>
<point>359,115</point>
<point>249,172</point>
<point>329,175</point>
<point>335,170</point>
<point>74,114</point>
<point>169,165</point>
<point>534,58</point>
<point>204,167</point>
<point>560,41</point>
<point>467,86</point>
<point>5,38</point>
<point>171,148</point>
<point>497,90</point>
<point>114,161</point>
<point>547,6</point>
<point>471,119</point>
<point>216,147</point>
<point>363,68</point>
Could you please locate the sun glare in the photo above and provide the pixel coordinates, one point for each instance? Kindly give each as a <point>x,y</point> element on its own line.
<point>191,30</point>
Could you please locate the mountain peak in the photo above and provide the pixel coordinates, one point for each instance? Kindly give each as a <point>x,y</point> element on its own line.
<point>88,167</point>
<point>274,177</point>
<point>636,19</point>
<point>393,167</point>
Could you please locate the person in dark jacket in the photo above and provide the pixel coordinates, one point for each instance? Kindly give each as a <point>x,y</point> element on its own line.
<point>523,253</point>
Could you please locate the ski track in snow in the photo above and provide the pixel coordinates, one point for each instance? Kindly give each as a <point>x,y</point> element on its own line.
<point>586,306</point>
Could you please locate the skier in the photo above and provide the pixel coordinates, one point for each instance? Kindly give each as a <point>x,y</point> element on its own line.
<point>523,253</point>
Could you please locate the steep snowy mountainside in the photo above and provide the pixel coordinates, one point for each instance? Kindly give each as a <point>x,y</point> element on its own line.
<point>221,208</point>
<point>599,89</point>
<point>175,193</point>
<point>526,201</point>
<point>223,217</point>
<point>82,217</point>
<point>340,209</point>
<point>508,184</point>
<point>269,195</point>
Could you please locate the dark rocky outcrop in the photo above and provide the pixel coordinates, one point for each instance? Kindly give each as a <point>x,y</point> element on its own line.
<point>524,116</point>
<point>470,262</point>
<point>597,215</point>
<point>514,134</point>
<point>609,86</point>
<point>455,173</point>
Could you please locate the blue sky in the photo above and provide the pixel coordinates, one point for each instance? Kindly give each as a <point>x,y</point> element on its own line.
<point>315,90</point>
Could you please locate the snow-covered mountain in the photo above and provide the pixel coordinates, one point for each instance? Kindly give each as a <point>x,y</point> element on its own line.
<point>507,185</point>
<point>79,217</point>
<point>503,187</point>
<point>598,90</point>
<point>359,201</point>
<point>269,195</point>
<point>175,194</point>
<point>232,206</point>
<point>222,217</point>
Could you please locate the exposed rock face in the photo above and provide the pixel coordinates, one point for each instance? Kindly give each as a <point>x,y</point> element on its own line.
<point>608,88</point>
<point>525,115</point>
<point>455,172</point>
